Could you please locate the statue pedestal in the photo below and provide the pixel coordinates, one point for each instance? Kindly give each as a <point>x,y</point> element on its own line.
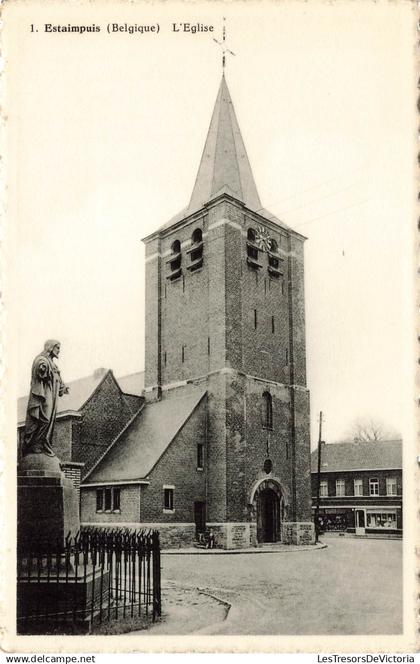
<point>51,590</point>
<point>48,506</point>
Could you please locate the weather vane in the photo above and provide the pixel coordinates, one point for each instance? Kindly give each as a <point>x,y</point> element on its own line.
<point>223,45</point>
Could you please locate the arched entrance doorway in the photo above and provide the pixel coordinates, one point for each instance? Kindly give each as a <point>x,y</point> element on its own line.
<point>268,516</point>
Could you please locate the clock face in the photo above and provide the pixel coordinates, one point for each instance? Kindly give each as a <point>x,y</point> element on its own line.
<point>262,238</point>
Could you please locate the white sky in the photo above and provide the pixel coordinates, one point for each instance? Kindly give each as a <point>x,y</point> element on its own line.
<point>106,134</point>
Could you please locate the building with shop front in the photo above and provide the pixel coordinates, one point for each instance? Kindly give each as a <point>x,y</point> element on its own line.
<point>360,487</point>
<point>222,440</point>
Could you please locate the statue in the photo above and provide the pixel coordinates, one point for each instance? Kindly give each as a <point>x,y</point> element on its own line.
<point>46,387</point>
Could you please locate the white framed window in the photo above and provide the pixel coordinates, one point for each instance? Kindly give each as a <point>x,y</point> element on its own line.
<point>358,487</point>
<point>340,488</point>
<point>108,499</point>
<point>391,486</point>
<point>381,520</point>
<point>373,486</point>
<point>168,498</point>
<point>323,489</point>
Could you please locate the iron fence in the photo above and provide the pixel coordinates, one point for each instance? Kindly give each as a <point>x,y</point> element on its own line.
<point>98,576</point>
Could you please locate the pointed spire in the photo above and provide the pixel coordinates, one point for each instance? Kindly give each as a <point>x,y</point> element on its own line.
<point>224,166</point>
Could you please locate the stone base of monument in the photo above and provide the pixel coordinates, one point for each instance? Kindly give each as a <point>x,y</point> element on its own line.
<point>62,599</point>
<point>48,515</point>
<point>48,505</point>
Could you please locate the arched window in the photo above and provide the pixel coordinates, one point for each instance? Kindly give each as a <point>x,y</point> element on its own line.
<point>196,250</point>
<point>275,263</point>
<point>252,250</point>
<point>176,247</point>
<point>251,235</point>
<point>197,236</point>
<point>174,261</point>
<point>267,410</point>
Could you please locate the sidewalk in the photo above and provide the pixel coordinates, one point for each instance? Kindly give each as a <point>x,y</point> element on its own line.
<point>276,547</point>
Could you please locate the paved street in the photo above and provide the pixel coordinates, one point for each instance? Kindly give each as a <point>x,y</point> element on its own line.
<point>351,587</point>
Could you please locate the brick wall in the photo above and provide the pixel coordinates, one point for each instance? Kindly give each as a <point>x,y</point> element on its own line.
<point>129,512</point>
<point>103,417</point>
<point>178,467</point>
<point>364,475</point>
<point>73,473</point>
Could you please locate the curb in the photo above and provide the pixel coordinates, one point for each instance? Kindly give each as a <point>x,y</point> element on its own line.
<point>285,548</point>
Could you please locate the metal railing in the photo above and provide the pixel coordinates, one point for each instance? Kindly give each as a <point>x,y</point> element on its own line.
<point>100,575</point>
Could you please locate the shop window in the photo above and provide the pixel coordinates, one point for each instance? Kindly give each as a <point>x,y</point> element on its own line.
<point>168,498</point>
<point>340,488</point>
<point>374,486</point>
<point>381,520</point>
<point>358,487</point>
<point>323,489</point>
<point>267,407</point>
<point>252,250</point>
<point>174,261</point>
<point>200,456</point>
<point>196,250</point>
<point>391,486</point>
<point>108,499</point>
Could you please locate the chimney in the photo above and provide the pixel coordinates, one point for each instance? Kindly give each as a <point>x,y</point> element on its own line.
<point>98,373</point>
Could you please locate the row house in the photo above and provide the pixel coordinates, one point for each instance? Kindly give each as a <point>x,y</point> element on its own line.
<point>360,486</point>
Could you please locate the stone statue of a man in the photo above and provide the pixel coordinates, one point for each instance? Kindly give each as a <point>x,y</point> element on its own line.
<point>46,387</point>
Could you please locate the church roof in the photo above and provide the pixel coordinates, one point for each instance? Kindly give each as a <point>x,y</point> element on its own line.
<point>132,383</point>
<point>375,455</point>
<point>224,165</point>
<point>140,445</point>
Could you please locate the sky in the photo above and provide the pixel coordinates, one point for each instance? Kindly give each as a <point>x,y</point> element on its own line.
<point>106,134</point>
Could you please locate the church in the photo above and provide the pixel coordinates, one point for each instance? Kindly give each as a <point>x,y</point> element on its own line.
<point>220,439</point>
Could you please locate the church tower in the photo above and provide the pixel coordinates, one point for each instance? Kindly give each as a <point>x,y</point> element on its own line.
<point>225,310</point>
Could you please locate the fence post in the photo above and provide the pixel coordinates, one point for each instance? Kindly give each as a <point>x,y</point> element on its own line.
<point>157,599</point>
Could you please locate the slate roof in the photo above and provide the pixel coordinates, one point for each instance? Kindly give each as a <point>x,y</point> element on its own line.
<point>224,165</point>
<point>378,455</point>
<point>132,383</point>
<point>82,388</point>
<point>140,445</point>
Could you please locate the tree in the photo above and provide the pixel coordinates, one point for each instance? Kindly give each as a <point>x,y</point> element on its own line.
<point>365,430</point>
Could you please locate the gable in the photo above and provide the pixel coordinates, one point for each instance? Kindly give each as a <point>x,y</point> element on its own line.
<point>138,448</point>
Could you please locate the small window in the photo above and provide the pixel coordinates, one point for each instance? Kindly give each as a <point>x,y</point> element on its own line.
<point>273,327</point>
<point>252,250</point>
<point>208,346</point>
<point>116,503</point>
<point>323,489</point>
<point>99,500</point>
<point>340,488</point>
<point>182,353</point>
<point>164,358</point>
<point>286,356</point>
<point>274,248</point>
<point>196,250</point>
<point>176,247</point>
<point>374,486</point>
<point>267,410</point>
<point>391,486</point>
<point>108,500</point>
<point>168,498</point>
<point>174,261</point>
<point>358,487</point>
<point>251,235</point>
<point>200,456</point>
<point>255,319</point>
